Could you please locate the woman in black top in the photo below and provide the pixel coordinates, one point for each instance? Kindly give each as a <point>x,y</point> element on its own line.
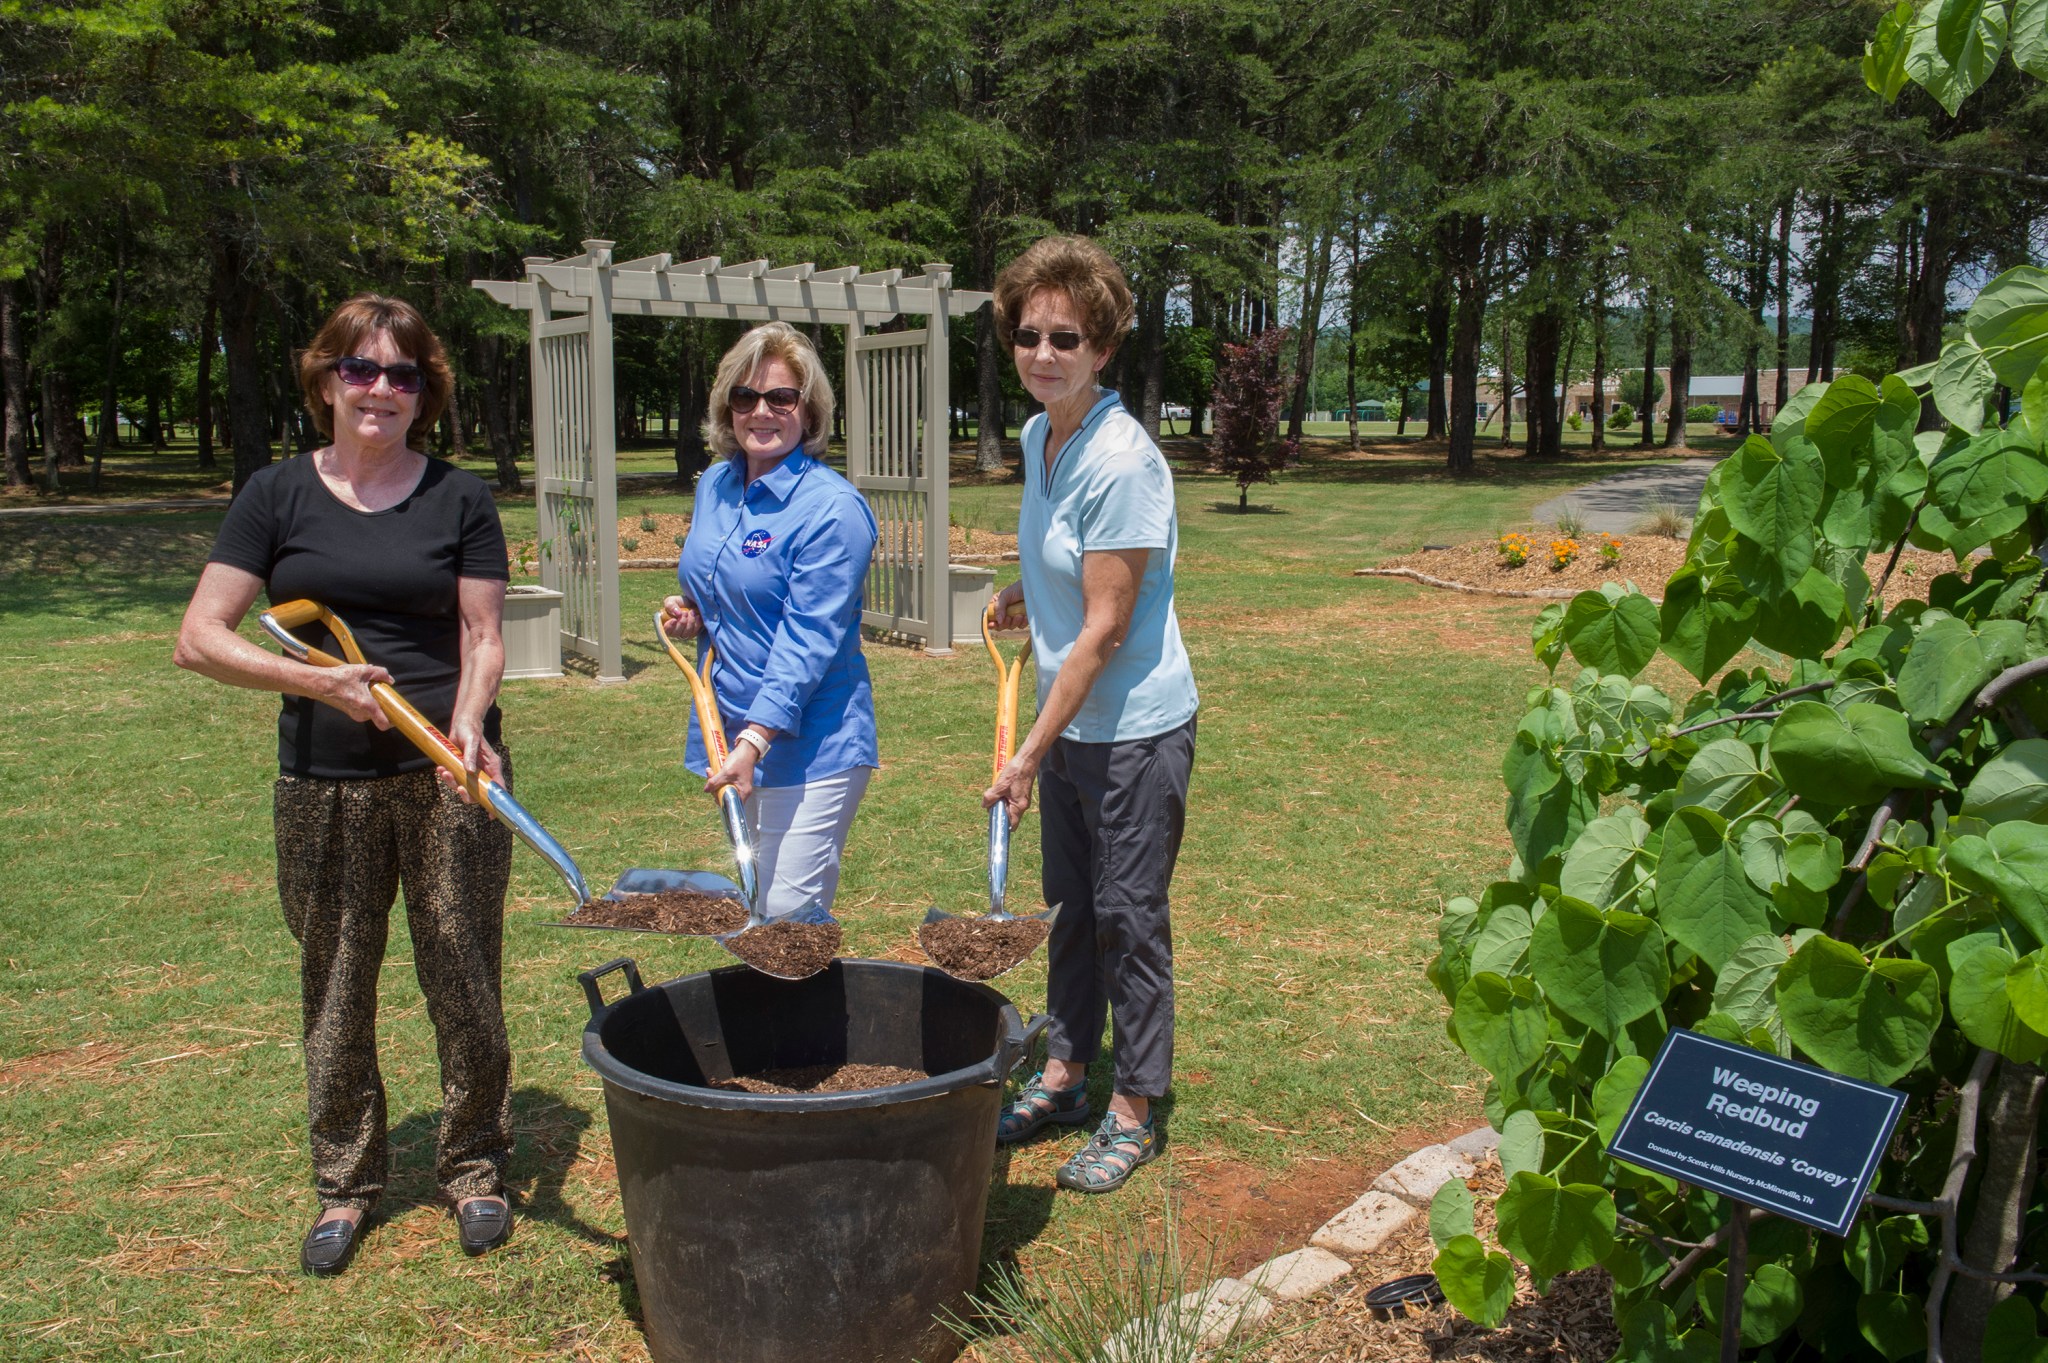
<point>409,551</point>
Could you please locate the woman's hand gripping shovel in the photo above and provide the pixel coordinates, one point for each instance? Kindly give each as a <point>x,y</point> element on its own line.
<point>278,623</point>
<point>997,943</point>
<point>795,960</point>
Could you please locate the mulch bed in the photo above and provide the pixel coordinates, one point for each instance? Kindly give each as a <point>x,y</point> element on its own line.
<point>792,950</point>
<point>1646,560</point>
<point>1575,1322</point>
<point>687,913</point>
<point>978,948</point>
<point>819,1079</point>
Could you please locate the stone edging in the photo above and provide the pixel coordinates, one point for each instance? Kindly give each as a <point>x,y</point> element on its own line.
<point>1396,1198</point>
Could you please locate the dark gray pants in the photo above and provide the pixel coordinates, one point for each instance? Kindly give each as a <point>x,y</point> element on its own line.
<point>1110,820</point>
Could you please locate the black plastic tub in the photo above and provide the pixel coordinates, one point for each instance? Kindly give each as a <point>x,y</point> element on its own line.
<point>800,1228</point>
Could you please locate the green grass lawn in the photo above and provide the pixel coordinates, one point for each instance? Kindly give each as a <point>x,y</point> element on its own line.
<point>152,1150</point>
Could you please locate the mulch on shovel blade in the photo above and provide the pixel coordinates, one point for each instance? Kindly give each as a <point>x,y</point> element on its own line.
<point>787,948</point>
<point>979,948</point>
<point>689,913</point>
<point>820,1079</point>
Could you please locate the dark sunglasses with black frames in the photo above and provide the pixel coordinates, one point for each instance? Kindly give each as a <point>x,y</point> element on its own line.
<point>1027,338</point>
<point>357,372</point>
<point>781,401</point>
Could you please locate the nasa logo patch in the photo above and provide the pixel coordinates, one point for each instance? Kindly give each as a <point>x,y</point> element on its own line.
<point>755,544</point>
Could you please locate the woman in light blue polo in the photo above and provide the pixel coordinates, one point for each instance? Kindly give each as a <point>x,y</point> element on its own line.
<point>1114,741</point>
<point>771,572</point>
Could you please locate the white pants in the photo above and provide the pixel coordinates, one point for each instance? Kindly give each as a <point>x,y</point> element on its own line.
<point>799,836</point>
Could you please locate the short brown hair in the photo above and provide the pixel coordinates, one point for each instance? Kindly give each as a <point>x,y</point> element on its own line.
<point>772,341</point>
<point>343,333</point>
<point>1081,270</point>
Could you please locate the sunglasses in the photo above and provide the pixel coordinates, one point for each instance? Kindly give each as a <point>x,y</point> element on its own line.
<point>781,401</point>
<point>357,372</point>
<point>1027,338</point>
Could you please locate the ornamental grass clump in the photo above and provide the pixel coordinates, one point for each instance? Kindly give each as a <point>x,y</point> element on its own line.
<point>1841,857</point>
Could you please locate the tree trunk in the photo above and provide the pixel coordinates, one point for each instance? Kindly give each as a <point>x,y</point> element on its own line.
<point>495,379</point>
<point>62,434</point>
<point>1151,357</point>
<point>1992,1238</point>
<point>1649,368</point>
<point>988,367</point>
<point>1680,392</point>
<point>241,302</point>
<point>1782,393</point>
<point>1471,316</point>
<point>1436,321</point>
<point>14,384</point>
<point>1927,295</point>
<point>203,396</point>
<point>693,393</point>
<point>110,411</point>
<point>1351,338</point>
<point>1749,416</point>
<point>1539,381</point>
<point>1315,288</point>
<point>1600,355</point>
<point>1507,383</point>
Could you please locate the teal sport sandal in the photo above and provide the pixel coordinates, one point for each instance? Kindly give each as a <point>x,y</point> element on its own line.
<point>1109,1158</point>
<point>1037,1106</point>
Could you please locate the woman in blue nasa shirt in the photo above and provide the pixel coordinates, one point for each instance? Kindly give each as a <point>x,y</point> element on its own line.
<point>771,575</point>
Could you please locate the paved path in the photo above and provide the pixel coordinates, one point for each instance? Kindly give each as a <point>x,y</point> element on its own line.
<point>1617,504</point>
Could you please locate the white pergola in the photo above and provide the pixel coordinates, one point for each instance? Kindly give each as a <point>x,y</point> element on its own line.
<point>894,397</point>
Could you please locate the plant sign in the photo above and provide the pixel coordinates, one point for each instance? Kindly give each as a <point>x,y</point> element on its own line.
<point>1776,1134</point>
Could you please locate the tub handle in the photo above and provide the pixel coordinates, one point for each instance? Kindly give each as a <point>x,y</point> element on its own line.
<point>589,979</point>
<point>1018,1038</point>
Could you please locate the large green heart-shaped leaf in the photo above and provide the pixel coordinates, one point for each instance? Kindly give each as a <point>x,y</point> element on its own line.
<point>2013,784</point>
<point>1963,382</point>
<point>1545,811</point>
<point>1704,897</point>
<point>1521,1143</point>
<point>1546,635</point>
<point>1501,1023</point>
<point>1870,1020</point>
<point>1980,1002</point>
<point>1608,860</point>
<point>2029,37</point>
<point>1615,1092</point>
<point>2011,863</point>
<point>1955,45</point>
<point>1554,1227</point>
<point>1450,1212</point>
<point>1840,425</point>
<point>1895,1324</point>
<point>1771,1301</point>
<point>1884,56</point>
<point>1705,621</point>
<point>1946,667</point>
<point>2009,321</point>
<point>2009,1328</point>
<point>1602,968</point>
<point>1480,1284</point>
<point>1746,988</point>
<point>1503,940</point>
<point>1618,635</point>
<point>1773,497</point>
<point>1998,472</point>
<point>1851,757</point>
<point>1796,850</point>
<point>2026,986</point>
<point>1805,620</point>
<point>1726,774</point>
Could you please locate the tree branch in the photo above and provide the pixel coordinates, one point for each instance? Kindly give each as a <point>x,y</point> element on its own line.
<point>1874,608</point>
<point>1703,1249</point>
<point>1959,1162</point>
<point>1886,812</point>
<point>1988,698</point>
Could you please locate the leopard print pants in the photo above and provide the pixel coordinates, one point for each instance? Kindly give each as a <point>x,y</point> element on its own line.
<point>344,848</point>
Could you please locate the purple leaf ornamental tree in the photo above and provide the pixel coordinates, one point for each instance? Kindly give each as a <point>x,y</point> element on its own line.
<point>1246,403</point>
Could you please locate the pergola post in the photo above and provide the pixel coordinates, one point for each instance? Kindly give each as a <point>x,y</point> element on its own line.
<point>604,463</point>
<point>938,456</point>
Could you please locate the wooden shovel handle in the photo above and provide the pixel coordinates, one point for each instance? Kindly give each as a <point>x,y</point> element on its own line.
<point>701,694</point>
<point>1007,678</point>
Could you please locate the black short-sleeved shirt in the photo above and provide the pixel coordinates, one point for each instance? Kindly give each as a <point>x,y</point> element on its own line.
<point>390,575</point>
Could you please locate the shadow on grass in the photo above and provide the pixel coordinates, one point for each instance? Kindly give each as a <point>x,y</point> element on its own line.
<point>1254,509</point>
<point>547,1136</point>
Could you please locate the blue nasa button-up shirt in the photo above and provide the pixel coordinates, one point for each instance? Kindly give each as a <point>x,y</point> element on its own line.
<point>776,569</point>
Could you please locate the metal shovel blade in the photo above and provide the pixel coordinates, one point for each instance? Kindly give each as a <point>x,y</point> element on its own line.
<point>641,880</point>
<point>814,915</point>
<point>998,878</point>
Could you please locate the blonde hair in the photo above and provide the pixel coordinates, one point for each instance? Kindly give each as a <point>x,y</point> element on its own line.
<point>1075,266</point>
<point>772,341</point>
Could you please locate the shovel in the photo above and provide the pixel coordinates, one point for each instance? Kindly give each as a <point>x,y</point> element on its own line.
<point>736,831</point>
<point>278,622</point>
<point>1007,678</point>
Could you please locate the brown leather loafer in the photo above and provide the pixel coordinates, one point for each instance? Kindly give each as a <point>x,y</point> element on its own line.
<point>329,1246</point>
<point>484,1223</point>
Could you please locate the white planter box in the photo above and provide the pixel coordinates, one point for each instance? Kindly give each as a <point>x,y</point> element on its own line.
<point>972,589</point>
<point>533,632</point>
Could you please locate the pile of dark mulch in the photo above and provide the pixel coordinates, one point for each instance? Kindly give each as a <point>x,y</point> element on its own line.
<point>980,948</point>
<point>788,949</point>
<point>820,1079</point>
<point>688,913</point>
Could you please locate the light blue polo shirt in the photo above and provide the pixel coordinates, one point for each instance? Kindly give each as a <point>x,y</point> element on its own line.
<point>777,569</point>
<point>1110,489</point>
